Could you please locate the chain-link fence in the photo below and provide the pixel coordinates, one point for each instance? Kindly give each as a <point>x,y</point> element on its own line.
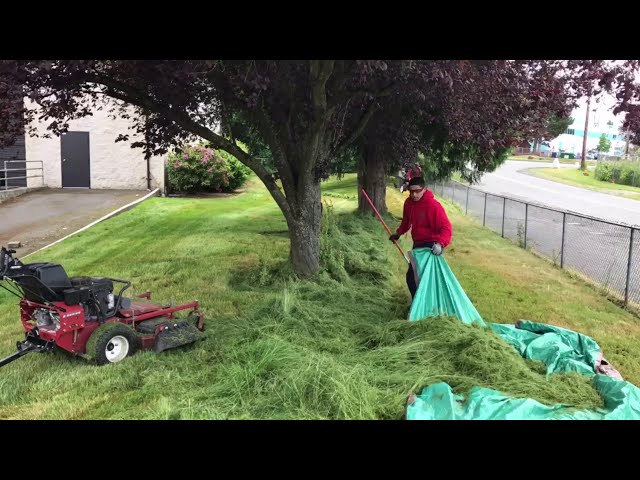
<point>605,252</point>
<point>529,151</point>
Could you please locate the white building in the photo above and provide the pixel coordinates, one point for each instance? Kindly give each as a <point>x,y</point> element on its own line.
<point>601,121</point>
<point>87,156</point>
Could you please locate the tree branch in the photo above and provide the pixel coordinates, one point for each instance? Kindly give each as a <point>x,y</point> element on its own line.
<point>338,77</point>
<point>289,117</point>
<point>373,107</point>
<point>225,116</point>
<point>136,97</point>
<point>321,70</point>
<point>279,156</point>
<point>383,92</point>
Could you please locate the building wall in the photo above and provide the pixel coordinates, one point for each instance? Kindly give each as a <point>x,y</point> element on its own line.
<point>596,134</point>
<point>112,165</point>
<point>572,143</point>
<point>601,120</point>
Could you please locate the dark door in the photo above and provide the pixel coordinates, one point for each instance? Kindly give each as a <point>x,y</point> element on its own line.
<point>75,159</point>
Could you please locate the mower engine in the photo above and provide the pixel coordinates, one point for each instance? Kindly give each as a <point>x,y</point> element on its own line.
<point>87,317</point>
<point>46,319</point>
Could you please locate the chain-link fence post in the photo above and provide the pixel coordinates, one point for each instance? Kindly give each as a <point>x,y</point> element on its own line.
<point>564,223</point>
<point>626,287</point>
<point>484,213</point>
<point>466,203</point>
<point>526,219</point>
<point>504,206</point>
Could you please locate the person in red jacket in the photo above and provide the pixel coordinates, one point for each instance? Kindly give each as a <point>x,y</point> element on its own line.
<point>415,171</point>
<point>428,221</point>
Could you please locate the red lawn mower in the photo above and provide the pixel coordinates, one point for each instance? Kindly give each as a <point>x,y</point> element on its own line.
<point>83,315</point>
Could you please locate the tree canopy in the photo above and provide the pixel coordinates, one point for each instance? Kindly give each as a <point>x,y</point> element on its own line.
<point>306,113</point>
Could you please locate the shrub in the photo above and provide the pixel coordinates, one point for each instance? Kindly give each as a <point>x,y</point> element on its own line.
<point>623,173</point>
<point>197,168</point>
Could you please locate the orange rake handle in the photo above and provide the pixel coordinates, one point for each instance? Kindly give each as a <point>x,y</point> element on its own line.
<point>384,224</point>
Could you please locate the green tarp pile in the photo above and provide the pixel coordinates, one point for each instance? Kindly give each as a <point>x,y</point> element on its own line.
<point>439,294</point>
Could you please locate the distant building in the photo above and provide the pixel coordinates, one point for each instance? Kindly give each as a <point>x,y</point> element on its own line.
<point>601,121</point>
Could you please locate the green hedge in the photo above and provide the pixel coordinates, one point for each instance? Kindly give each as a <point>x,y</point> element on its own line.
<point>622,173</point>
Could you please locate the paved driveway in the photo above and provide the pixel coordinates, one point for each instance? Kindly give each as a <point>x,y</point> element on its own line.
<point>38,218</point>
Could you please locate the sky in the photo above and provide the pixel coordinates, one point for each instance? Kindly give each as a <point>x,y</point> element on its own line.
<point>603,110</point>
<point>601,113</point>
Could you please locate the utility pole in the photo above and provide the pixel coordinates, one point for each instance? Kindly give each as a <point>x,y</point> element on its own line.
<point>583,160</point>
<point>626,148</point>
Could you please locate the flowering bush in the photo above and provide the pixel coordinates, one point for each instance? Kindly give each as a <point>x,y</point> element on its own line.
<point>238,172</point>
<point>200,169</point>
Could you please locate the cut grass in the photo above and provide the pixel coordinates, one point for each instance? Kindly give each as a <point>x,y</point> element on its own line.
<point>576,178</point>
<point>335,346</point>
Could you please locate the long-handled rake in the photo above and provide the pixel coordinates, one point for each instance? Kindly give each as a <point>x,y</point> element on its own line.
<point>384,224</point>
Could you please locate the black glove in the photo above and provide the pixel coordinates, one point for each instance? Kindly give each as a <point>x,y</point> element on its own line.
<point>395,237</point>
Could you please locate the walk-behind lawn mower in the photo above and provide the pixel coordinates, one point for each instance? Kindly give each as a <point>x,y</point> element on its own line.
<point>83,315</point>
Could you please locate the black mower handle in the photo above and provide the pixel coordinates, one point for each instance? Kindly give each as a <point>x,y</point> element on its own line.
<point>5,256</point>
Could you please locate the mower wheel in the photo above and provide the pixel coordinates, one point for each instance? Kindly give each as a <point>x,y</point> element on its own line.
<point>111,343</point>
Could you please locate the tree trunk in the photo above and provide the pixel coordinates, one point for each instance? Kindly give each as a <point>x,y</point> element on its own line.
<point>373,178</point>
<point>304,230</point>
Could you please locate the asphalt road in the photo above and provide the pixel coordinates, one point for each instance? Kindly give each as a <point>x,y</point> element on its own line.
<point>508,180</point>
<point>596,249</point>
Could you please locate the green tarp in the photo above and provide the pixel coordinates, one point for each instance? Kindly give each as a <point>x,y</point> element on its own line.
<point>448,299</point>
<point>561,350</point>
<point>438,402</point>
<point>439,293</point>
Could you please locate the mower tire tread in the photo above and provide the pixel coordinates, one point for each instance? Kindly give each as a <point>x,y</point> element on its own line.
<point>100,338</point>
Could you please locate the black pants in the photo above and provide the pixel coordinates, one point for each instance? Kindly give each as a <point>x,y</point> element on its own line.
<point>411,278</point>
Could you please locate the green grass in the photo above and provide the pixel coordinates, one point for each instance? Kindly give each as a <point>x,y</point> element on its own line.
<point>335,346</point>
<point>575,177</point>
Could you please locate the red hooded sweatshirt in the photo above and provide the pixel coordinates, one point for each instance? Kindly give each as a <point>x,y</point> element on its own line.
<point>427,220</point>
